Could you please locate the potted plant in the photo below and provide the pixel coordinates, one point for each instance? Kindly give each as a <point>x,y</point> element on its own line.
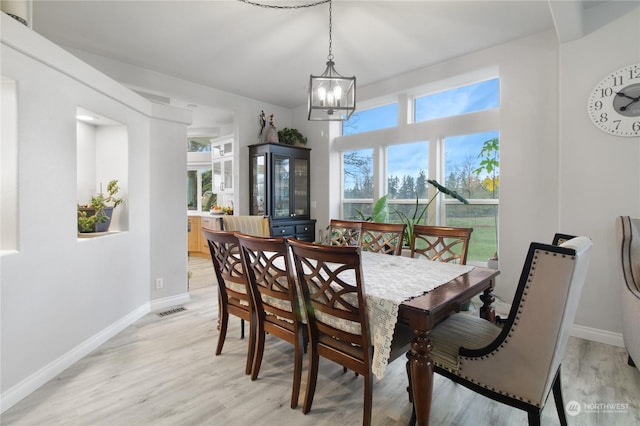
<point>96,216</point>
<point>289,136</point>
<point>380,211</point>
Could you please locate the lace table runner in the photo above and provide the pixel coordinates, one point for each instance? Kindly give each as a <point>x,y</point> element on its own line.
<point>390,280</point>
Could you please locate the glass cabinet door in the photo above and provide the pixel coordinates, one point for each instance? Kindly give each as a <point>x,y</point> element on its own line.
<point>300,185</point>
<point>259,182</point>
<point>281,186</point>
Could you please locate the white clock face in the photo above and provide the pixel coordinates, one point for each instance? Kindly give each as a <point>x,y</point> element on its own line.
<point>614,104</point>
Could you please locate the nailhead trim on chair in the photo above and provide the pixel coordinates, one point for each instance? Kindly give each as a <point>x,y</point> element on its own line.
<point>506,340</point>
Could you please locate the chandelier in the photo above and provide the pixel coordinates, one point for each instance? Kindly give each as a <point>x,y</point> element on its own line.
<point>332,97</point>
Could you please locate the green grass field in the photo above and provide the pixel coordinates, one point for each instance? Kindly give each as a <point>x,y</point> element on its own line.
<point>483,237</point>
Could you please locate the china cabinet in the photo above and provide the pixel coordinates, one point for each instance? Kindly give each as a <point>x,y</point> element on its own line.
<point>279,188</point>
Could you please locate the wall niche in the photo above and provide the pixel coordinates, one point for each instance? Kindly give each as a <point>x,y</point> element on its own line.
<point>102,156</point>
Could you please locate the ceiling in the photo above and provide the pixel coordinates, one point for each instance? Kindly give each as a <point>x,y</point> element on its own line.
<point>268,54</point>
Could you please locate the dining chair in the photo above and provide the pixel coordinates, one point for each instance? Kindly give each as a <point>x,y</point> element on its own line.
<point>332,286</point>
<point>272,283</point>
<point>628,247</point>
<point>234,296</point>
<point>441,243</point>
<point>383,238</point>
<point>344,232</point>
<point>519,364</point>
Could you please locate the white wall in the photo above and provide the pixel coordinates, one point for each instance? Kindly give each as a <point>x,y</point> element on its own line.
<point>246,110</point>
<point>62,296</point>
<point>599,173</point>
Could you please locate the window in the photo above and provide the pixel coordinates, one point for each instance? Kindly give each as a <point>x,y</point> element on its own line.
<point>472,168</point>
<point>357,183</point>
<point>462,100</point>
<point>459,153</point>
<point>367,120</point>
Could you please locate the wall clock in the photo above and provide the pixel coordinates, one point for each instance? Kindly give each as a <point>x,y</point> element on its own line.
<point>614,104</point>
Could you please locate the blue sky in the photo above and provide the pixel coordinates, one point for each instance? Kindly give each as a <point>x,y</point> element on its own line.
<point>410,158</point>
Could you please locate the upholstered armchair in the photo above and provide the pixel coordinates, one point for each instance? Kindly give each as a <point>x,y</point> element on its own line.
<point>628,237</point>
<point>519,363</point>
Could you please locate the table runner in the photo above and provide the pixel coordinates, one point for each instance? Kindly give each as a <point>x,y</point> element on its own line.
<point>390,280</point>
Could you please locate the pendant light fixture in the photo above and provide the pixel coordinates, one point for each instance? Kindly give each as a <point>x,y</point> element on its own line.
<point>332,97</point>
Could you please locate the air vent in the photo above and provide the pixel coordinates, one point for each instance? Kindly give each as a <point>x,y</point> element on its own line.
<point>171,311</point>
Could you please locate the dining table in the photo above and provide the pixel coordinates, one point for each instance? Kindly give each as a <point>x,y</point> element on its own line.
<point>419,294</point>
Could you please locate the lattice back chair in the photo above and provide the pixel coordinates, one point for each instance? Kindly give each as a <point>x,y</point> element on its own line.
<point>382,237</point>
<point>344,232</point>
<point>271,279</point>
<point>331,282</point>
<point>519,364</point>
<point>441,243</point>
<point>234,296</point>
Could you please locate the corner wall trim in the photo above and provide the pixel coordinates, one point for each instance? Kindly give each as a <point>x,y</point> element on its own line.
<point>597,335</point>
<point>22,389</point>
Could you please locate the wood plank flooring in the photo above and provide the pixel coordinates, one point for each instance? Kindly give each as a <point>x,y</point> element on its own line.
<point>163,371</point>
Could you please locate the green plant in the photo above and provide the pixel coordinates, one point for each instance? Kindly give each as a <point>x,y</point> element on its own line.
<point>380,211</point>
<point>93,213</point>
<point>490,154</point>
<point>289,136</point>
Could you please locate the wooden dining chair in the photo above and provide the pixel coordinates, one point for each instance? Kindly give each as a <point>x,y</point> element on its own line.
<point>519,364</point>
<point>382,237</point>
<point>275,299</point>
<point>332,286</point>
<point>344,232</point>
<point>234,296</point>
<point>441,243</point>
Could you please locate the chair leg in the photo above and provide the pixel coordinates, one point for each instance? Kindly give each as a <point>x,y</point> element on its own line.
<point>251,346</point>
<point>557,398</point>
<point>630,361</point>
<point>534,417</point>
<point>409,388</point>
<point>222,323</point>
<point>368,399</point>
<point>259,350</point>
<point>297,369</point>
<point>241,328</point>
<point>312,378</point>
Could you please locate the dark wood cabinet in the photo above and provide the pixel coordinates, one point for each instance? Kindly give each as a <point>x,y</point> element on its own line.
<point>279,188</point>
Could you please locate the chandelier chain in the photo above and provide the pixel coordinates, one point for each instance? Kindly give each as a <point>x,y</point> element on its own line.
<point>279,6</point>
<point>330,57</point>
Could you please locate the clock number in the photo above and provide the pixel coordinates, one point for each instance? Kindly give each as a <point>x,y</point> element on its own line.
<point>635,126</point>
<point>603,117</point>
<point>634,73</point>
<point>616,124</point>
<point>617,80</point>
<point>606,92</point>
<point>597,105</point>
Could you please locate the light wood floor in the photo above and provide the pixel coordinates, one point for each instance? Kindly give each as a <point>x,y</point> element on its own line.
<point>163,371</point>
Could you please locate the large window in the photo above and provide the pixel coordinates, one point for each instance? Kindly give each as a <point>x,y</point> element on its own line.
<point>459,153</point>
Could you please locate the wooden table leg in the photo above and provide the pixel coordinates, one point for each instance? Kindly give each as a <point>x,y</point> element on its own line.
<point>487,311</point>
<point>421,367</point>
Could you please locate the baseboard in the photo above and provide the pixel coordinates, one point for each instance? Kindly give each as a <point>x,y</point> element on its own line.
<point>166,302</point>
<point>597,335</point>
<point>22,389</point>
